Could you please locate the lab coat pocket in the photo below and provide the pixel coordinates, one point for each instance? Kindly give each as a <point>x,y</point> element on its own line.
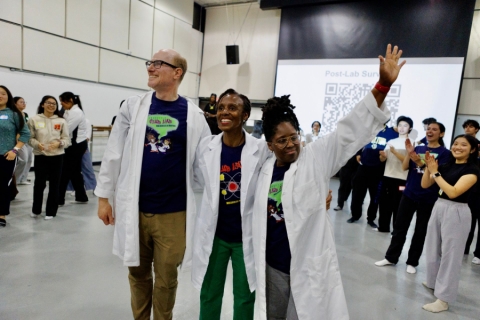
<point>323,273</point>
<point>306,199</point>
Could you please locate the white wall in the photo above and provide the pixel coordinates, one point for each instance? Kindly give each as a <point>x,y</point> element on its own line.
<point>101,41</point>
<point>258,46</point>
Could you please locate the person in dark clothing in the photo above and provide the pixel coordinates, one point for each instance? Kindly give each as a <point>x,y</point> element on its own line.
<point>471,128</point>
<point>210,112</point>
<point>346,176</point>
<point>425,122</point>
<point>368,176</point>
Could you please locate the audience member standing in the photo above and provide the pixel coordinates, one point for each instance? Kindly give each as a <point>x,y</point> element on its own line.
<point>425,123</point>
<point>312,137</point>
<point>394,178</point>
<point>368,176</point>
<point>147,168</point>
<point>451,219</point>
<point>12,124</point>
<point>49,136</point>
<point>416,199</point>
<point>471,128</point>
<point>25,154</point>
<point>210,112</point>
<point>72,170</point>
<point>347,172</point>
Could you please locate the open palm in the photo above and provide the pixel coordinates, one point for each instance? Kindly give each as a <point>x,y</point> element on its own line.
<point>389,66</point>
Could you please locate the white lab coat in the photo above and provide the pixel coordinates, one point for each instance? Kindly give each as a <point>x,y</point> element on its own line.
<point>314,274</point>
<point>119,177</point>
<point>207,167</point>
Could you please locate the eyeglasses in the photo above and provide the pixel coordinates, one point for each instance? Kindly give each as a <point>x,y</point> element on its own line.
<point>158,64</point>
<point>283,142</point>
<point>51,103</point>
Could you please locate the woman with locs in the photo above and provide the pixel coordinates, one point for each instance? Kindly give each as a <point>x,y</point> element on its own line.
<point>451,219</point>
<point>294,248</point>
<point>48,138</point>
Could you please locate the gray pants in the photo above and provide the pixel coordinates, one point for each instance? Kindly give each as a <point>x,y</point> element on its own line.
<point>447,233</point>
<point>280,305</point>
<point>25,157</point>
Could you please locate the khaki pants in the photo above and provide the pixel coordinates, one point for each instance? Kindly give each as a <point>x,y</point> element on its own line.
<point>162,241</point>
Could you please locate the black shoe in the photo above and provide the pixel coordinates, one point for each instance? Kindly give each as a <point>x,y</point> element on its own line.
<point>372,224</point>
<point>352,220</point>
<point>338,208</point>
<point>3,222</point>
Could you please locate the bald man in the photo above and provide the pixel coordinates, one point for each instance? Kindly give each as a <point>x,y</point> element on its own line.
<point>145,185</point>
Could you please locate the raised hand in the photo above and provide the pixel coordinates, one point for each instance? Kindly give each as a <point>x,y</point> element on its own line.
<point>389,67</point>
<point>409,146</point>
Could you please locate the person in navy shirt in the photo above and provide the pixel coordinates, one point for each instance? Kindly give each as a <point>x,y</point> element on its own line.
<point>368,176</point>
<point>416,199</point>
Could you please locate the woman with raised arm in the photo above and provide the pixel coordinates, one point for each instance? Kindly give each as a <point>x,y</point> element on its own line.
<point>451,218</point>
<point>294,248</point>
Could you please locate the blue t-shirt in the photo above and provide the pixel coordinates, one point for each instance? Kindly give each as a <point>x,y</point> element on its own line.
<point>413,188</point>
<point>278,254</point>
<point>370,155</point>
<point>229,224</point>
<point>163,182</point>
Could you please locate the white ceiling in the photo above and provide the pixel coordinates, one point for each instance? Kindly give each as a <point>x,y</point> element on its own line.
<point>212,3</point>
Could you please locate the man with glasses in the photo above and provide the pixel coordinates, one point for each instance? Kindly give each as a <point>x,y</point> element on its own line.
<point>147,173</point>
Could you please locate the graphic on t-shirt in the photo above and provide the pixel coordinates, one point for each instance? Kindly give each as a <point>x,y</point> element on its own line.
<point>230,184</point>
<point>158,126</point>
<point>422,157</point>
<point>275,208</point>
<point>378,141</point>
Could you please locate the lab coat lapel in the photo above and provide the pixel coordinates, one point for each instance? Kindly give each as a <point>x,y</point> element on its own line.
<point>212,164</point>
<point>250,152</point>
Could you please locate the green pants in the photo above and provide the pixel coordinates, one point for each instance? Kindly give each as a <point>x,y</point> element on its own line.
<point>213,285</point>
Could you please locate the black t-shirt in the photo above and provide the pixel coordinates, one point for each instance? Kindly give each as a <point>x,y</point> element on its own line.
<point>278,255</point>
<point>451,173</point>
<point>229,225</point>
<point>210,108</point>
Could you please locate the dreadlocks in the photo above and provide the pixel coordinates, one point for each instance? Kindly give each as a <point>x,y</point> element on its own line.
<point>276,111</point>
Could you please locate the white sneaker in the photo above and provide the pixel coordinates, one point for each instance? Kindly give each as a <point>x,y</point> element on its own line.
<point>383,263</point>
<point>33,215</point>
<point>476,260</point>
<point>49,217</point>
<point>23,183</point>
<point>411,269</point>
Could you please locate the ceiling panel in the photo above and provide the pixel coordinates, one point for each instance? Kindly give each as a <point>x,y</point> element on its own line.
<point>212,3</point>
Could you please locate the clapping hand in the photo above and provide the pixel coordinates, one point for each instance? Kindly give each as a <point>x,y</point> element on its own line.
<point>411,152</point>
<point>432,164</point>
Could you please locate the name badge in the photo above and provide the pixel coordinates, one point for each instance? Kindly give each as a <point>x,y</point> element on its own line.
<point>440,192</point>
<point>4,117</point>
<point>401,188</point>
<point>40,125</point>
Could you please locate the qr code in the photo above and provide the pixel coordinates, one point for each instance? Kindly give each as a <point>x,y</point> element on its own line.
<point>340,98</point>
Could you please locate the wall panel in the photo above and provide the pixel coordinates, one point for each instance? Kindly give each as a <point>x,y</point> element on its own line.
<point>141,29</point>
<point>180,9</point>
<point>189,86</point>
<point>46,15</point>
<point>114,28</point>
<point>11,38</point>
<point>258,44</point>
<point>469,97</point>
<point>163,29</point>
<point>83,20</point>
<point>188,43</point>
<point>11,10</point>
<point>122,70</point>
<point>472,65</point>
<point>54,55</point>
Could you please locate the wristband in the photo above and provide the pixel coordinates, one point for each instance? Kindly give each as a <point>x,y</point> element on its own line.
<point>381,88</point>
<point>14,151</point>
